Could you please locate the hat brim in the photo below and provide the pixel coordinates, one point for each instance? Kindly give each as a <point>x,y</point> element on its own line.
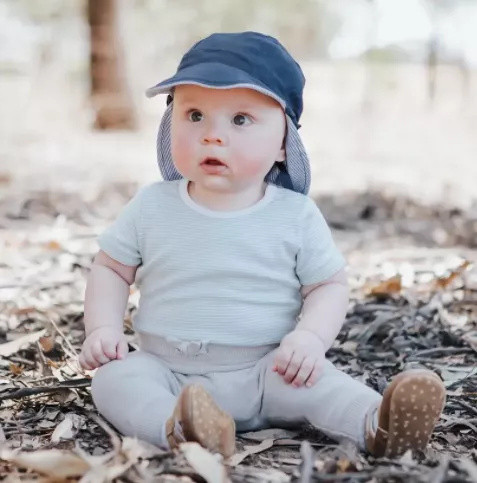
<point>215,76</point>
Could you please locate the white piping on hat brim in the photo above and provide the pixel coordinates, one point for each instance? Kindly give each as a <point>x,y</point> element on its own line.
<point>166,89</point>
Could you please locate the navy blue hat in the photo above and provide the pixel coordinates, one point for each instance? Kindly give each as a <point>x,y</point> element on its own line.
<point>250,60</point>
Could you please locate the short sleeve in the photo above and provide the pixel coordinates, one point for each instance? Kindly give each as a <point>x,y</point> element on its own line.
<point>318,258</point>
<point>121,240</point>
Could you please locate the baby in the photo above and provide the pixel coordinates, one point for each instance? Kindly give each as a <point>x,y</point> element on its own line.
<point>242,287</point>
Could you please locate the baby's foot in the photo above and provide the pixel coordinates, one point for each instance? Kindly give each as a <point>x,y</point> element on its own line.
<point>197,417</point>
<point>408,413</point>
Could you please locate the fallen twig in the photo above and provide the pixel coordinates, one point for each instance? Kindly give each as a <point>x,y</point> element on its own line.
<point>441,350</point>
<point>306,452</point>
<point>34,391</point>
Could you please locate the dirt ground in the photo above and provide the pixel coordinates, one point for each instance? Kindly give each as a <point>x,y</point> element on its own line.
<point>394,177</point>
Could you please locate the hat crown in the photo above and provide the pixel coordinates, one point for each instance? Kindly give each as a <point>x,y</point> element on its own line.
<point>261,57</point>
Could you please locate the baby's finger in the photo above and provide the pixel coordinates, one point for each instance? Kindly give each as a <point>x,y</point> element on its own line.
<point>293,367</point>
<point>98,354</point>
<point>314,376</point>
<point>122,349</point>
<point>88,358</point>
<point>282,359</point>
<point>304,372</point>
<point>83,363</point>
<point>109,348</point>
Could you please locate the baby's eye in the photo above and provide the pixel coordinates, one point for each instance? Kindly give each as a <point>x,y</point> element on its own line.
<point>241,120</point>
<point>195,116</point>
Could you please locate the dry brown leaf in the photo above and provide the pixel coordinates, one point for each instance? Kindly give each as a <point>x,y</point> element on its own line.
<point>66,429</point>
<point>453,375</point>
<point>444,282</point>
<point>270,475</point>
<point>407,458</point>
<point>390,286</point>
<point>204,463</point>
<point>14,346</point>
<point>344,465</point>
<point>350,346</point>
<point>270,433</point>
<point>23,310</point>
<point>237,458</point>
<point>51,363</point>
<point>53,463</point>
<point>108,467</point>
<point>15,369</point>
<point>47,343</point>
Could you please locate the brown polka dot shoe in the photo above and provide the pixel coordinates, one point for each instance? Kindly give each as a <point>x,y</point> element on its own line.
<point>197,417</point>
<point>408,413</point>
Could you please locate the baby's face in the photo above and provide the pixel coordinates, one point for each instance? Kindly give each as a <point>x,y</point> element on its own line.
<point>225,139</point>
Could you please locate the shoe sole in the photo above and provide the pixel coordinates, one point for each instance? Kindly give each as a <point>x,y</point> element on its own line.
<point>415,403</point>
<point>205,422</point>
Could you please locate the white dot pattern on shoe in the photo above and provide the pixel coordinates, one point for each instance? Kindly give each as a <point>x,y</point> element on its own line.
<point>413,418</point>
<point>207,423</point>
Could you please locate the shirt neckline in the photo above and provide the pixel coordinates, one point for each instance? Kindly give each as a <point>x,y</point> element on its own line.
<point>270,191</point>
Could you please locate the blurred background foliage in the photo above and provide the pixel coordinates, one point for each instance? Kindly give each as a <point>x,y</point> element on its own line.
<point>390,98</point>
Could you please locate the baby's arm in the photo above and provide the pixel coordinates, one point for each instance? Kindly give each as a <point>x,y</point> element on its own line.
<point>324,307</point>
<point>107,293</point>
<point>301,354</point>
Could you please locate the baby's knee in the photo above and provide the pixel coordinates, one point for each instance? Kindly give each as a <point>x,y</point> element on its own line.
<point>107,370</point>
<point>105,379</point>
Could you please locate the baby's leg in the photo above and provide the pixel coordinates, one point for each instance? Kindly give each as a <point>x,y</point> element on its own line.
<point>337,404</point>
<point>137,395</point>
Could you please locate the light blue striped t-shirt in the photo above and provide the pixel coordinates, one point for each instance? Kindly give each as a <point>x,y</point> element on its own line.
<point>222,277</point>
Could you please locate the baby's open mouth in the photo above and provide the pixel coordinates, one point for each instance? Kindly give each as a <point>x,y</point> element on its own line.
<point>213,162</point>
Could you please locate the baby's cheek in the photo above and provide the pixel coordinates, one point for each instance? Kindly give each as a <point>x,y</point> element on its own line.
<point>257,163</point>
<point>180,150</point>
<point>250,169</point>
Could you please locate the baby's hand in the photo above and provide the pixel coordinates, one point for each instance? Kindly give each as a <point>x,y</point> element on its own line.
<point>300,358</point>
<point>101,346</point>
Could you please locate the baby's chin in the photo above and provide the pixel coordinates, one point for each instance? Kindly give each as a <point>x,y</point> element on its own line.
<point>222,184</point>
<point>218,184</point>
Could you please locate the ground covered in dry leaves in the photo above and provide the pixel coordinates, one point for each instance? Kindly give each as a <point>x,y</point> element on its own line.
<point>414,303</point>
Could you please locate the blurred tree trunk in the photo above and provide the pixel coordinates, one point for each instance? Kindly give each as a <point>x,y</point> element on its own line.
<point>109,91</point>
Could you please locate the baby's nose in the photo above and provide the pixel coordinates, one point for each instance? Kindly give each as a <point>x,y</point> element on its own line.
<point>213,140</point>
<point>214,133</point>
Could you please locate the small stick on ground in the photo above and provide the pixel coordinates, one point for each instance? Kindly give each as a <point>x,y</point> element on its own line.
<point>306,452</point>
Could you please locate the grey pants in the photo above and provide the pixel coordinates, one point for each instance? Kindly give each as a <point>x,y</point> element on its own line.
<point>138,394</point>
